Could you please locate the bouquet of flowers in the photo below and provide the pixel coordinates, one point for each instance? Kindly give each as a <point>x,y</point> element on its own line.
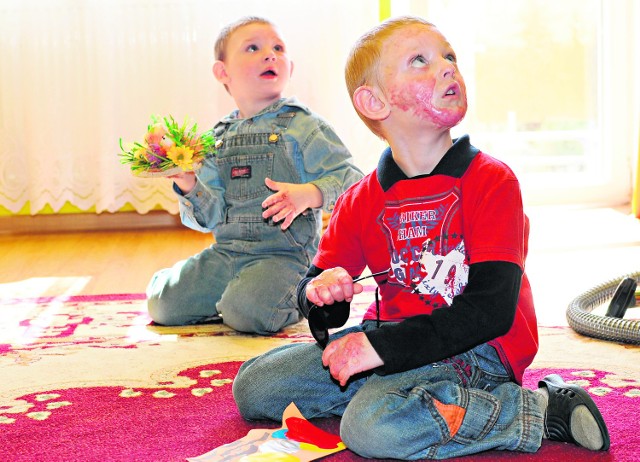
<point>168,149</point>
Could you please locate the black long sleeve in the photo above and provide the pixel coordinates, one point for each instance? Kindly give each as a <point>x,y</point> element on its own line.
<point>484,311</point>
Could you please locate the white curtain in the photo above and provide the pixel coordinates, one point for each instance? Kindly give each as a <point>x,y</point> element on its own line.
<point>77,75</point>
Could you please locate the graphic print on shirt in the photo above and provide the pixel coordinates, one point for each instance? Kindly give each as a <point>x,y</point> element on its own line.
<point>427,248</point>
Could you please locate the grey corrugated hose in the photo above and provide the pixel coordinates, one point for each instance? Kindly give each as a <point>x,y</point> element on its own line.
<point>581,319</point>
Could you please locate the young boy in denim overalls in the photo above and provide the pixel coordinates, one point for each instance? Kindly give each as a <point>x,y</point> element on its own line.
<point>435,369</point>
<point>276,167</point>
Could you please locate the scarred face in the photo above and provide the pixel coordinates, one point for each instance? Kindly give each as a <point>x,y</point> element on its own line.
<point>420,75</point>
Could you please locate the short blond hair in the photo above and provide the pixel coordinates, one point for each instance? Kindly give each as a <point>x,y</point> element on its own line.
<point>220,47</point>
<point>362,67</point>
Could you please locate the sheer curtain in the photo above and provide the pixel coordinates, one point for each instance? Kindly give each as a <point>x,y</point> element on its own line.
<point>77,75</point>
<point>635,202</point>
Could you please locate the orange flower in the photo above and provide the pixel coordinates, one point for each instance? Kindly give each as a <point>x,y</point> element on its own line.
<point>167,143</point>
<point>155,134</point>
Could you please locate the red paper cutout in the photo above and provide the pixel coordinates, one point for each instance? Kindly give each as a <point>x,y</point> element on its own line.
<point>303,431</point>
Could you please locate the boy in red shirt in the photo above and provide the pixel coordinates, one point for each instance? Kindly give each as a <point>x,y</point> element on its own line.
<point>435,369</point>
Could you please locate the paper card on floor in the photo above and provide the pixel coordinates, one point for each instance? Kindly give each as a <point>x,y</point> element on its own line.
<point>296,441</point>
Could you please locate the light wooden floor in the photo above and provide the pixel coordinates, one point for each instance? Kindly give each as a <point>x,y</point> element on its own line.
<point>571,250</point>
<point>89,263</point>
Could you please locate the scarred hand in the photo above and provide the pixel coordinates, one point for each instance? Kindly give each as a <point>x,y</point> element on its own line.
<point>332,285</point>
<point>350,355</point>
<point>289,201</point>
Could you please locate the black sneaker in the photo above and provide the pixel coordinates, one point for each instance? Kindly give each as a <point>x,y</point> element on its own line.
<point>563,399</point>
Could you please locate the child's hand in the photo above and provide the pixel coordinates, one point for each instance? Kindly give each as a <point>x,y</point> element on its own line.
<point>186,181</point>
<point>289,201</point>
<point>350,355</point>
<point>332,285</point>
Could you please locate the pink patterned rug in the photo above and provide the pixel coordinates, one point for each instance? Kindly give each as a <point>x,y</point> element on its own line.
<point>86,379</point>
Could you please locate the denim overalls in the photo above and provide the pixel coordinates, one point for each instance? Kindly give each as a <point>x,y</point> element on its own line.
<point>249,275</point>
<point>245,160</point>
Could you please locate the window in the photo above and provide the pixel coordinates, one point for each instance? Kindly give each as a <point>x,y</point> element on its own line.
<point>553,90</point>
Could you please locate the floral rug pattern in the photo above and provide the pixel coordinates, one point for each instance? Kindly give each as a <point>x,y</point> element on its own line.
<point>88,378</point>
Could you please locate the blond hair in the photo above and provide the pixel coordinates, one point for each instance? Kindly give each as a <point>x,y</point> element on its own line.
<point>220,47</point>
<point>362,67</point>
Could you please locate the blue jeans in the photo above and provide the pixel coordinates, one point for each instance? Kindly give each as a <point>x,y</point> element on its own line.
<point>394,416</point>
<point>252,294</point>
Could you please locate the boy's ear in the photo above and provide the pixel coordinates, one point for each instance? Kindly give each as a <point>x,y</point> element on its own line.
<point>220,72</point>
<point>371,103</point>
